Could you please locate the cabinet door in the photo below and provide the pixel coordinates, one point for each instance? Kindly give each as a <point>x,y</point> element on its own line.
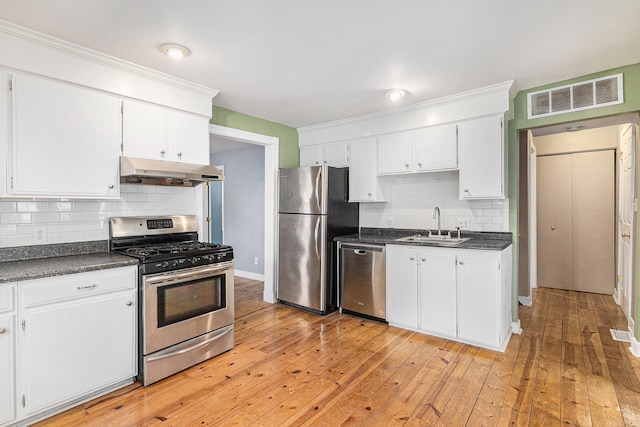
<point>363,177</point>
<point>402,286</point>
<point>436,148</point>
<point>437,291</point>
<point>311,156</point>
<point>190,138</point>
<point>145,131</point>
<point>395,153</point>
<point>4,131</point>
<point>336,155</point>
<point>73,348</point>
<point>481,158</point>
<point>66,140</point>
<point>7,367</point>
<point>479,302</point>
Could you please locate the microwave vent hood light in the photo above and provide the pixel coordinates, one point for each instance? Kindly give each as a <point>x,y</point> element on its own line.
<point>137,170</point>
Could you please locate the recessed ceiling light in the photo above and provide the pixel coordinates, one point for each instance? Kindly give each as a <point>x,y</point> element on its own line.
<point>395,94</point>
<point>175,51</point>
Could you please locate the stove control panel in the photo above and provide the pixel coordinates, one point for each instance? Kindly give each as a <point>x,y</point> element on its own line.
<point>185,262</point>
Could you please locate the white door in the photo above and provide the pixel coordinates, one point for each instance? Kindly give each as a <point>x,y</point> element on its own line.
<point>402,286</point>
<point>625,218</point>
<point>437,291</point>
<point>395,153</point>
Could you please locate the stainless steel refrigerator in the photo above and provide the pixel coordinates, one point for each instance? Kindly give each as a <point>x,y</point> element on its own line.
<point>313,209</point>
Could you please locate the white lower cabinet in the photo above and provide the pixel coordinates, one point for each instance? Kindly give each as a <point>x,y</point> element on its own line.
<point>77,338</point>
<point>7,353</point>
<point>460,294</point>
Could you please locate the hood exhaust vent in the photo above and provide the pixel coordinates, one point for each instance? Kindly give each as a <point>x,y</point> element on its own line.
<point>136,170</point>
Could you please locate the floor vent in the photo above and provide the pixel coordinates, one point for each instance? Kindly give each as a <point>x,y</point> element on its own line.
<point>619,335</point>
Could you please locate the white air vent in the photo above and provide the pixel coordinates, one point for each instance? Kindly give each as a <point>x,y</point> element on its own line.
<point>578,96</point>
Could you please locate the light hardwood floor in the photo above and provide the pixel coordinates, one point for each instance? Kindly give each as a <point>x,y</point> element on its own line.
<point>293,368</point>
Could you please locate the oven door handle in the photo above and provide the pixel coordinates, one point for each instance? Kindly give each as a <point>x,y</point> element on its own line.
<point>185,276</point>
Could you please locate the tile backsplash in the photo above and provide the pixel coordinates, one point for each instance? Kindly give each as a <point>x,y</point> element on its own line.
<point>411,200</point>
<point>27,222</point>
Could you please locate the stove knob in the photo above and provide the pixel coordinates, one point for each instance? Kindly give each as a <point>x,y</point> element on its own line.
<point>164,264</point>
<point>175,263</point>
<point>194,259</point>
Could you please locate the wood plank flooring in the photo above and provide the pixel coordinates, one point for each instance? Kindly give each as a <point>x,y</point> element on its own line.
<point>293,368</point>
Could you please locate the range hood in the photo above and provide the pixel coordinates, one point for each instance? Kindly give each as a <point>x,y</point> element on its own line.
<point>136,170</point>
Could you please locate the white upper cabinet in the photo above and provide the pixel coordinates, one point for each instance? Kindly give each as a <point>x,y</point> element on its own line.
<point>364,185</point>
<point>155,132</point>
<point>65,140</point>
<point>395,153</point>
<point>426,149</point>
<point>335,154</point>
<point>481,156</point>
<point>4,130</point>
<point>435,148</point>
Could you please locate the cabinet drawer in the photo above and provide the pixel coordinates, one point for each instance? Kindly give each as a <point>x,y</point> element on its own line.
<point>71,286</point>
<point>7,299</point>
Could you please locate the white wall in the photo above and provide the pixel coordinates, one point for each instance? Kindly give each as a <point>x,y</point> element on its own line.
<point>85,220</point>
<point>412,199</point>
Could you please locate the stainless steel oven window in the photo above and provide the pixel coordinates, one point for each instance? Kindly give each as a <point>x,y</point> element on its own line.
<point>183,301</point>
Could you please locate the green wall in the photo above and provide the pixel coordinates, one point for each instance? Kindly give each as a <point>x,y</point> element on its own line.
<point>631,82</point>
<point>288,149</point>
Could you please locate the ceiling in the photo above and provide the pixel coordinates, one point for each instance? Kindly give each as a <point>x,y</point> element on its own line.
<point>307,62</point>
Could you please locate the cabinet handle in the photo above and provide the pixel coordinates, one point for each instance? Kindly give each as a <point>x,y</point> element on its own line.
<point>553,228</point>
<point>419,165</point>
<point>466,190</point>
<point>179,154</point>
<point>129,303</point>
<point>3,330</point>
<point>461,262</point>
<point>370,196</point>
<point>325,162</point>
<point>411,258</point>
<point>111,186</point>
<point>317,162</point>
<point>626,235</point>
<point>424,259</point>
<point>87,287</point>
<point>162,152</point>
<point>406,165</point>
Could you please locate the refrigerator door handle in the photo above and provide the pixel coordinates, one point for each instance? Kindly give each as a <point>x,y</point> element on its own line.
<point>317,190</point>
<point>316,235</point>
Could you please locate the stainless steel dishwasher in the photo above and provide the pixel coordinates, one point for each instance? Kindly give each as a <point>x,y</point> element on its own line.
<point>362,280</point>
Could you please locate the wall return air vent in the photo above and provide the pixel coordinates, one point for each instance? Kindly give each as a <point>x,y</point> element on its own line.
<point>575,97</point>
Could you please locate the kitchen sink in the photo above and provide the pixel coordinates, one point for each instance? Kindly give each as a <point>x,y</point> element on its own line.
<point>444,239</point>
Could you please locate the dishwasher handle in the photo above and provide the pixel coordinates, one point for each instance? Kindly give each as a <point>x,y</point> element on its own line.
<point>362,249</point>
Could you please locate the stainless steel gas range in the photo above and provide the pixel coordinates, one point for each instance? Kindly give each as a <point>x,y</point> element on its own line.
<point>185,292</point>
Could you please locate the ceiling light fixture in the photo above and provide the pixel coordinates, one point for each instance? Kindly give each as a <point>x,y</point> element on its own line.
<point>175,51</point>
<point>395,94</point>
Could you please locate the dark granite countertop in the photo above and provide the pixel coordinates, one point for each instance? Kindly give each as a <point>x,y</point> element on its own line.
<point>53,260</point>
<point>492,241</point>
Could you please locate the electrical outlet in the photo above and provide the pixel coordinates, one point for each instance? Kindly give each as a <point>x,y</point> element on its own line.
<point>255,260</point>
<point>39,235</point>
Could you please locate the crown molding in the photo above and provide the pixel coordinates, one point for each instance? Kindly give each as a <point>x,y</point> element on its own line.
<point>99,58</point>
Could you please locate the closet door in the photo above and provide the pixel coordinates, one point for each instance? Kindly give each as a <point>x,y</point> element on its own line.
<point>594,221</point>
<point>555,211</point>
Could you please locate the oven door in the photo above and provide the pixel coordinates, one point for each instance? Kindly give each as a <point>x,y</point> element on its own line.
<point>183,304</point>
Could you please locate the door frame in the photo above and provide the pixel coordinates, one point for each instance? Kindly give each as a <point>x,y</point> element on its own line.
<point>271,150</point>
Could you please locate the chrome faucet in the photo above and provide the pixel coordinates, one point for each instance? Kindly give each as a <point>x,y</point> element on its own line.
<point>436,214</point>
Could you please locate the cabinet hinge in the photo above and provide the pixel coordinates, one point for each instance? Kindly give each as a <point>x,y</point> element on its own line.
<point>24,401</point>
<point>10,85</point>
<point>498,265</point>
<point>23,325</point>
<point>11,183</point>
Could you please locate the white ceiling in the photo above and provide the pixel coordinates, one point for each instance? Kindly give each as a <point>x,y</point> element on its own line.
<point>307,62</point>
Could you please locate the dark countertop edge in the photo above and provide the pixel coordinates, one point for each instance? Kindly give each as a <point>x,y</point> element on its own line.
<point>479,240</point>
<point>52,250</point>
<point>17,271</point>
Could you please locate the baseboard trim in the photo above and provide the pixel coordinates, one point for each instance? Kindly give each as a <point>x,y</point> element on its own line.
<point>249,275</point>
<point>515,327</point>
<point>634,348</point>
<point>526,301</point>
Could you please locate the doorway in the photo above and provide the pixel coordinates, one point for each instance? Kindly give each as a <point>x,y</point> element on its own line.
<point>270,145</point>
<point>216,210</point>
